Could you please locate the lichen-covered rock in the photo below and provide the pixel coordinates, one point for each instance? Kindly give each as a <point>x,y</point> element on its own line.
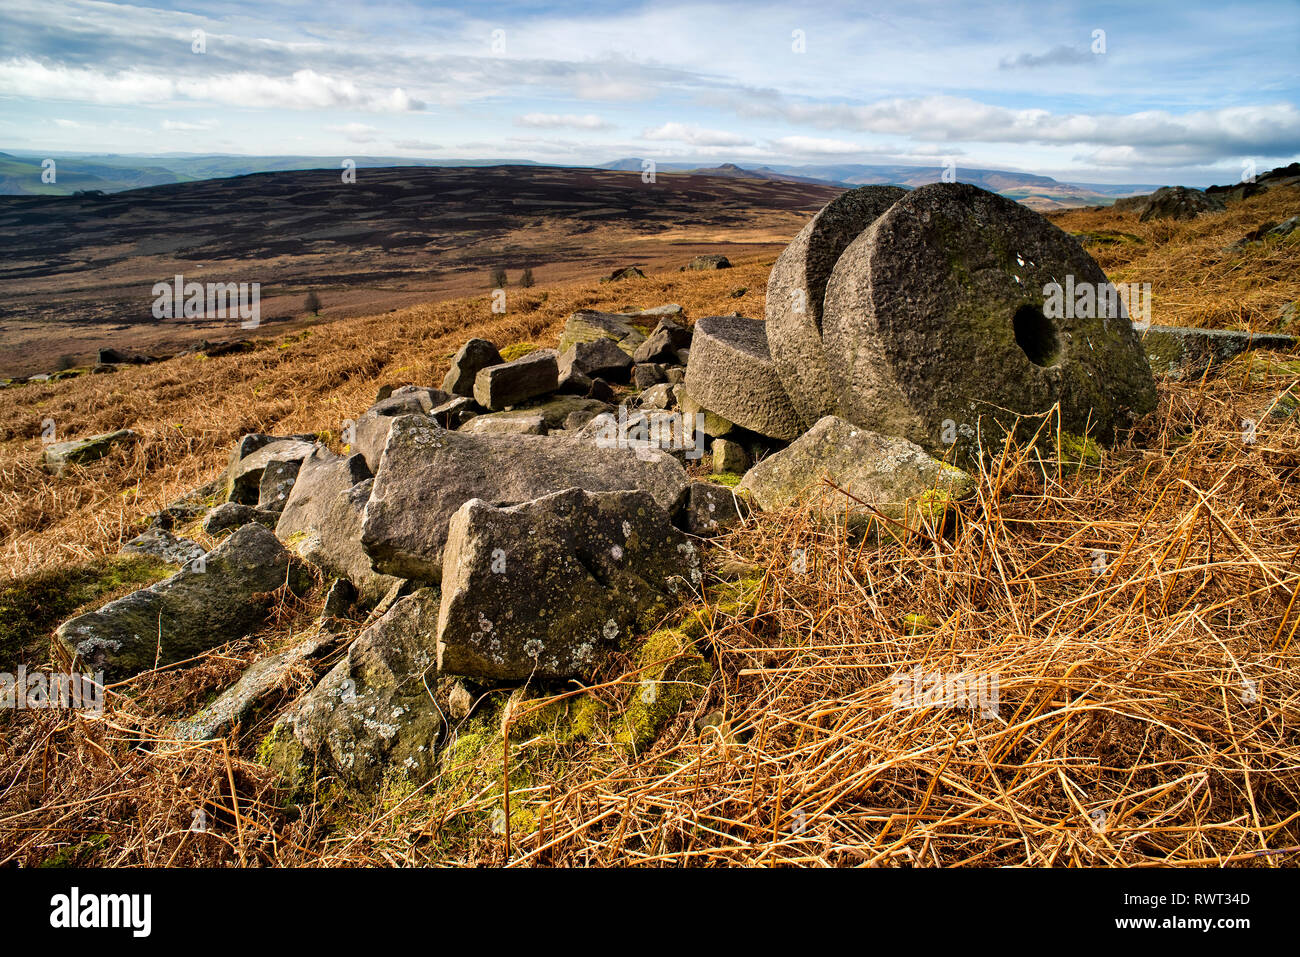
<point>427,473</point>
<point>796,287</point>
<point>883,472</point>
<point>473,357</point>
<point>59,455</point>
<point>215,599</point>
<point>729,456</point>
<point>231,515</point>
<point>707,508</point>
<point>369,433</point>
<point>162,544</point>
<point>276,483</point>
<point>588,326</point>
<point>542,588</point>
<point>512,383</point>
<point>708,262</point>
<point>374,712</point>
<point>255,687</point>
<point>555,411</point>
<point>322,520</point>
<point>939,316</point>
<point>731,374</point>
<point>1177,202</point>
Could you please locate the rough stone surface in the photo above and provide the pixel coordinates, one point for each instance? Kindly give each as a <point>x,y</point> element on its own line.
<point>658,397</point>
<point>588,325</point>
<point>713,424</point>
<point>427,473</point>
<point>276,483</point>
<point>731,373</point>
<point>795,290</point>
<point>454,413</point>
<point>882,471</point>
<point>713,261</point>
<point>255,687</point>
<point>542,588</point>
<point>503,423</point>
<point>370,431</point>
<point>473,357</point>
<point>162,544</point>
<point>668,336</point>
<point>729,456</point>
<point>1186,353</point>
<point>511,383</point>
<point>935,315</point>
<point>600,358</point>
<point>708,507</point>
<point>59,455</point>
<point>555,411</point>
<point>243,482</point>
<point>322,520</point>
<point>373,711</point>
<point>232,515</point>
<point>646,374</point>
<point>1177,202</point>
<point>209,602</point>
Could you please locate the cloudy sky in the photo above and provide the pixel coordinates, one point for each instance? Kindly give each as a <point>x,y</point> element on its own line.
<point>1148,93</point>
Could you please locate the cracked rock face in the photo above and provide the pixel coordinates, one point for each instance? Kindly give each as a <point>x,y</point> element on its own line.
<point>543,588</point>
<point>427,473</point>
<point>939,316</point>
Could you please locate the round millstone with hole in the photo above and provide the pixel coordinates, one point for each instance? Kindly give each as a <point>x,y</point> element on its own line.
<point>730,373</point>
<point>940,319</point>
<point>795,289</point>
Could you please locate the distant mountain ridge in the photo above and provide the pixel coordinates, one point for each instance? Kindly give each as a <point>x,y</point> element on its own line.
<point>20,174</point>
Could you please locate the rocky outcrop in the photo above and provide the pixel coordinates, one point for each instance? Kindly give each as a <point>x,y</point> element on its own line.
<point>427,473</point>
<point>511,383</point>
<point>472,358</point>
<point>588,326</point>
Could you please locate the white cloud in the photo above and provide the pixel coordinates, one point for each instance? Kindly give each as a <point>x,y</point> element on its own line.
<point>695,135</point>
<point>819,145</point>
<point>304,90</point>
<point>185,125</point>
<point>355,132</point>
<point>588,121</point>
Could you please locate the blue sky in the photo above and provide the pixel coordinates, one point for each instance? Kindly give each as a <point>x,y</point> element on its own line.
<point>1178,92</point>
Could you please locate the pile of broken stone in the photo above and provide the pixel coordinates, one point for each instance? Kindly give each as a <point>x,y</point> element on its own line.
<point>526,518</point>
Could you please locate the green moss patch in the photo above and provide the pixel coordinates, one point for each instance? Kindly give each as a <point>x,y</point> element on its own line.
<point>31,607</point>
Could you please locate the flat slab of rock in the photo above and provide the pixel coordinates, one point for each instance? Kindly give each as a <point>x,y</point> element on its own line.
<point>796,287</point>
<point>209,602</point>
<point>881,471</point>
<point>255,686</point>
<point>588,325</point>
<point>506,423</point>
<point>427,473</point>
<point>472,358</point>
<point>936,318</point>
<point>322,520</point>
<point>57,456</point>
<point>1186,353</point>
<point>513,383</point>
<point>543,588</point>
<point>731,373</point>
<point>373,711</point>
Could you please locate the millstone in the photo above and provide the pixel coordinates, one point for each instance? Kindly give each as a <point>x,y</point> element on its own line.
<point>937,320</point>
<point>731,374</point>
<point>796,287</point>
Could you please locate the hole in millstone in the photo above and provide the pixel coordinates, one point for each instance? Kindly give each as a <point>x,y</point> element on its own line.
<point>1035,335</point>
